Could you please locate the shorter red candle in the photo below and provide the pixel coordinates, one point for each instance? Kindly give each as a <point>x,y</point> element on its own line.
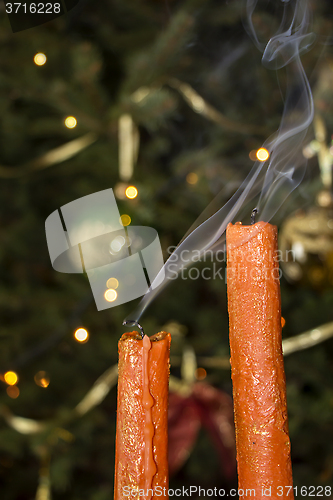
<point>142,417</point>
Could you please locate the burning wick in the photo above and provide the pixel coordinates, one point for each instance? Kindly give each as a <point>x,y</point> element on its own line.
<point>132,322</point>
<point>253,215</point>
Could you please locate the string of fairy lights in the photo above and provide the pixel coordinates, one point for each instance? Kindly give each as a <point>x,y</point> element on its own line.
<point>123,191</point>
<point>41,378</point>
<point>81,335</point>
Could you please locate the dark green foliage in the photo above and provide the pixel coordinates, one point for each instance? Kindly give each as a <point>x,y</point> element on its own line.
<point>99,56</point>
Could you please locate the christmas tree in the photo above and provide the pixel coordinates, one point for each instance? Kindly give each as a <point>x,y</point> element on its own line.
<point>171,98</point>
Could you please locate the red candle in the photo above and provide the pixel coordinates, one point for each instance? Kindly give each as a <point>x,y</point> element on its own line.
<point>142,417</point>
<point>259,388</point>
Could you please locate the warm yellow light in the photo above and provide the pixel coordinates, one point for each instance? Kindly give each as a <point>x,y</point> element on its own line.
<point>11,378</point>
<point>131,192</point>
<point>81,335</point>
<point>192,178</point>
<point>110,295</point>
<point>125,220</point>
<point>262,154</point>
<point>200,373</point>
<point>112,283</point>
<point>42,379</point>
<point>13,391</point>
<point>70,122</point>
<point>40,59</point>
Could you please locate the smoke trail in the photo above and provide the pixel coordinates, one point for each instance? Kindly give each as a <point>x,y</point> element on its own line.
<point>276,178</point>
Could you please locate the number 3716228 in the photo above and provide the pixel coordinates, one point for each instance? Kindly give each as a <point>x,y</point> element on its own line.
<point>33,8</point>
<point>308,491</point>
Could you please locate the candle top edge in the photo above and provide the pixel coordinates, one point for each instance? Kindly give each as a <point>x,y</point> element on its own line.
<point>260,224</point>
<point>137,336</point>
<point>256,234</point>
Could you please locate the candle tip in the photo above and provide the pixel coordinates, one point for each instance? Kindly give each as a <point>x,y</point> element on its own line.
<point>132,322</point>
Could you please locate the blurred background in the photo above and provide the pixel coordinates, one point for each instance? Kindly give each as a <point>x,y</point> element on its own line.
<point>169,97</point>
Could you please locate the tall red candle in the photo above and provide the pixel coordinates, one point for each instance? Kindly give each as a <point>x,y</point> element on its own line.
<point>258,377</point>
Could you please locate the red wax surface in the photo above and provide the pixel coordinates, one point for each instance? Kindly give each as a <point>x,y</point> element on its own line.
<point>134,466</point>
<point>259,388</point>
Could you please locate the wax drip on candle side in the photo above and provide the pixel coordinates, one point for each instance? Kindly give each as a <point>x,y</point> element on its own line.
<point>147,403</point>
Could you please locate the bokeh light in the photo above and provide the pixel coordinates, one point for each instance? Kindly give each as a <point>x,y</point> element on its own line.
<point>125,220</point>
<point>40,59</point>
<point>70,122</point>
<point>42,379</point>
<point>131,192</point>
<point>11,378</point>
<point>112,283</point>
<point>13,391</point>
<point>262,154</point>
<point>192,178</point>
<point>253,155</point>
<point>120,190</point>
<point>81,335</point>
<point>117,244</point>
<point>200,373</point>
<point>324,198</point>
<point>110,295</point>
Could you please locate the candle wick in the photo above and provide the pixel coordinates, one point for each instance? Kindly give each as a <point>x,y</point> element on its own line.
<point>253,215</point>
<point>132,322</point>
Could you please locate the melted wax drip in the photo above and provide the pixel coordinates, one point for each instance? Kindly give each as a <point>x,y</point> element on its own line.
<point>147,403</point>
